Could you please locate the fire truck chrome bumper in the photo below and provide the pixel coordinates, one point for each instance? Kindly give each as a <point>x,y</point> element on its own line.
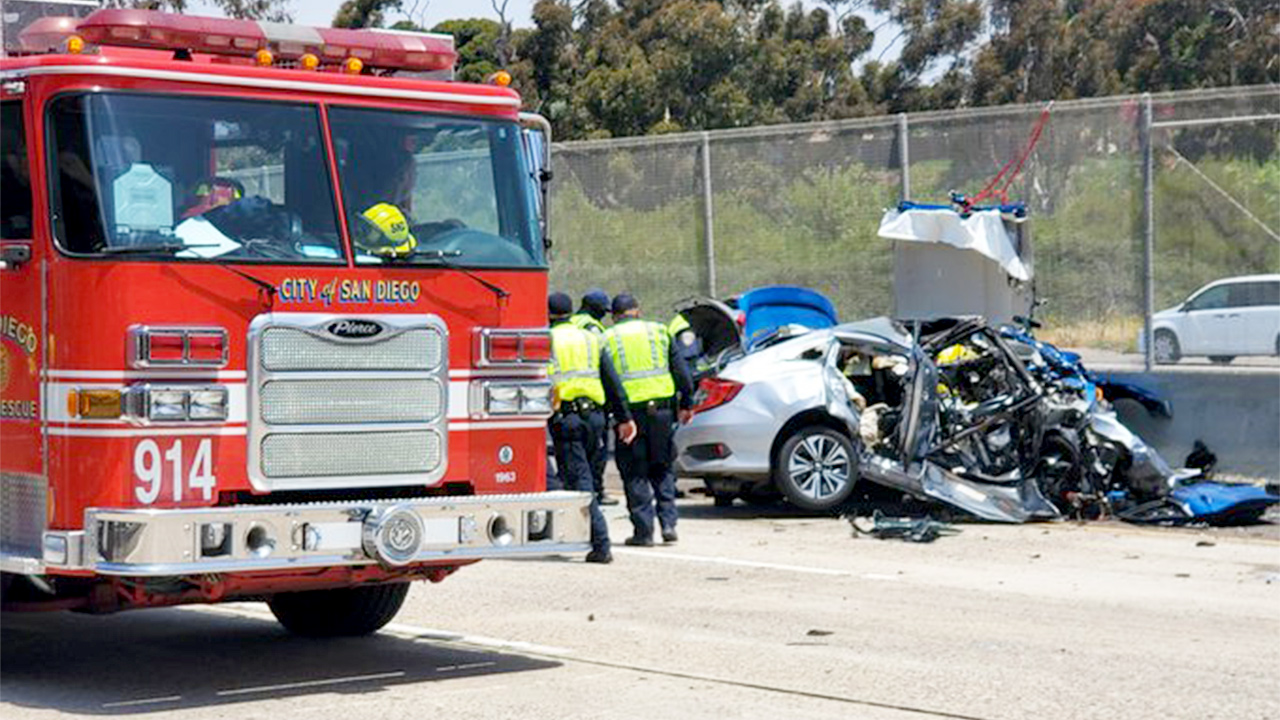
<point>158,542</point>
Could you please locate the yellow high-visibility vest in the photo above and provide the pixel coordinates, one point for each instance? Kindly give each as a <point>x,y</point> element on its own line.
<point>584,321</point>
<point>639,350</point>
<point>677,325</point>
<point>575,364</point>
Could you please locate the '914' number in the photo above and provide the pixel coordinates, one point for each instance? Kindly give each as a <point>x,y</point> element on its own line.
<point>154,469</point>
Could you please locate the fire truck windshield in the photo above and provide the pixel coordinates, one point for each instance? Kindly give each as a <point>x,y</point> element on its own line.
<point>191,178</point>
<point>417,188</point>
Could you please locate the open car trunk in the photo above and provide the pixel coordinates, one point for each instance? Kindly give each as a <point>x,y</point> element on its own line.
<point>763,316</point>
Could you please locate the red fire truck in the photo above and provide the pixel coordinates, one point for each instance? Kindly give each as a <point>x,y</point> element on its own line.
<point>272,319</point>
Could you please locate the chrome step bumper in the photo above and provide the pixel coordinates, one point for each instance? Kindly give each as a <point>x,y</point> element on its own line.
<point>154,542</point>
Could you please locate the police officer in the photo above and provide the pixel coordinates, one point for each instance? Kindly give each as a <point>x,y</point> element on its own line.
<point>585,384</point>
<point>658,389</point>
<point>594,307</point>
<point>591,313</point>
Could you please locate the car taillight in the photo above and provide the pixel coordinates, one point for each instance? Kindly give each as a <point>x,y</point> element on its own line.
<point>714,392</point>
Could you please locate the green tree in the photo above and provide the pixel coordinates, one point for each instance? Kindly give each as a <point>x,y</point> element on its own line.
<point>364,13</point>
<point>476,40</point>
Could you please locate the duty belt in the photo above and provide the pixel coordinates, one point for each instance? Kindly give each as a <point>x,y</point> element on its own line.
<point>652,406</point>
<point>580,406</point>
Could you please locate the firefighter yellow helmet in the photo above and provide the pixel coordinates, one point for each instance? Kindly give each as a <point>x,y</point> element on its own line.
<point>384,230</point>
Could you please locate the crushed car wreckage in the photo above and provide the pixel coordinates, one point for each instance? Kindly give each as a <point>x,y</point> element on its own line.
<point>952,411</point>
<point>988,420</point>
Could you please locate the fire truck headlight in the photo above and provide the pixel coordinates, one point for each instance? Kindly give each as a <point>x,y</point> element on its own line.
<point>502,399</point>
<point>166,404</point>
<point>55,550</point>
<point>535,399</point>
<point>208,404</point>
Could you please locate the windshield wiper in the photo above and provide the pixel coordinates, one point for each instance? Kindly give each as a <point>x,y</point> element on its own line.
<point>156,248</point>
<point>441,258</point>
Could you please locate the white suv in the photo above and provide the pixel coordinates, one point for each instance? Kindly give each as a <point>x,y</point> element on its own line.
<point>1224,319</point>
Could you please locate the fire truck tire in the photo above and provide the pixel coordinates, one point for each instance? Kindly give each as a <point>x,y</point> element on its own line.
<point>343,612</point>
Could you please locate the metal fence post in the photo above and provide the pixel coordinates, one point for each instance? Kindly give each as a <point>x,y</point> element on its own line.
<point>1148,233</point>
<point>708,218</point>
<point>904,156</point>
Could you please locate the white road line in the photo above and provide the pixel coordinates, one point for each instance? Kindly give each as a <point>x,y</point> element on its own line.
<point>311,683</point>
<point>730,561</point>
<point>147,701</point>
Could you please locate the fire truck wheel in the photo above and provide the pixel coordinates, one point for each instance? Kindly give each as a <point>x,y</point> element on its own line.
<point>343,612</point>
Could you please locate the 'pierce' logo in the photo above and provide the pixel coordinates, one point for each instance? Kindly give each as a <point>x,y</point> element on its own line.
<point>354,329</point>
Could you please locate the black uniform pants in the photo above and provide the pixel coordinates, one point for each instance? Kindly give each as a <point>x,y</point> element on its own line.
<point>645,465</point>
<point>571,435</point>
<point>598,455</point>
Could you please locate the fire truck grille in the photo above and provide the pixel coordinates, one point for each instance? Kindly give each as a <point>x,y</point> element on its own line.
<point>331,411</point>
<point>330,402</point>
<point>294,349</point>
<point>347,454</point>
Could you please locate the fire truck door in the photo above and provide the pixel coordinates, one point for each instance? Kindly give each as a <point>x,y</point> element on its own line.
<point>22,478</point>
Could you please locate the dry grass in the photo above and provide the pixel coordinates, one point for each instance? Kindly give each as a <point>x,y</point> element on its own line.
<point>1119,333</point>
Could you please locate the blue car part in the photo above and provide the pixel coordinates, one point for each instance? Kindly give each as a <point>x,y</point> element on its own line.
<point>1212,503</point>
<point>768,309</point>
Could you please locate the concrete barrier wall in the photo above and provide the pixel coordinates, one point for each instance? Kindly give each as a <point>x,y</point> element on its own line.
<point>1236,412</point>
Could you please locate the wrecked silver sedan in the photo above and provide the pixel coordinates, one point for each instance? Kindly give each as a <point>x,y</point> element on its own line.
<point>954,418</point>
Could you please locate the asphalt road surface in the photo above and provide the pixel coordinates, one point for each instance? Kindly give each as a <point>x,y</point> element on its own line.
<point>751,615</point>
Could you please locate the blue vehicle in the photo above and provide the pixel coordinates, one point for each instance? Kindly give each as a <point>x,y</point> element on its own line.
<point>1067,368</point>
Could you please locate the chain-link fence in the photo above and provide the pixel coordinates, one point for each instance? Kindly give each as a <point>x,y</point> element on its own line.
<point>800,204</point>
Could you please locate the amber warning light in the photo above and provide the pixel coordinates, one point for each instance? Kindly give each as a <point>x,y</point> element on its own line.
<point>308,47</point>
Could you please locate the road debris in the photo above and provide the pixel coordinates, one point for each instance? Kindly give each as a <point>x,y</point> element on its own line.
<point>920,530</point>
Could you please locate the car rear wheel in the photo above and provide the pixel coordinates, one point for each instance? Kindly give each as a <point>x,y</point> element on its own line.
<point>342,612</point>
<point>1222,359</point>
<point>1165,347</point>
<point>816,468</point>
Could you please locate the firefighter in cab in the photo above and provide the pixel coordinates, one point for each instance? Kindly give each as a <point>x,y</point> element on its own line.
<point>658,390</point>
<point>586,385</point>
<point>381,228</point>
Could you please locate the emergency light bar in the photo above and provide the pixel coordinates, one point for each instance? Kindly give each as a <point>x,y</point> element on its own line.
<point>388,50</point>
